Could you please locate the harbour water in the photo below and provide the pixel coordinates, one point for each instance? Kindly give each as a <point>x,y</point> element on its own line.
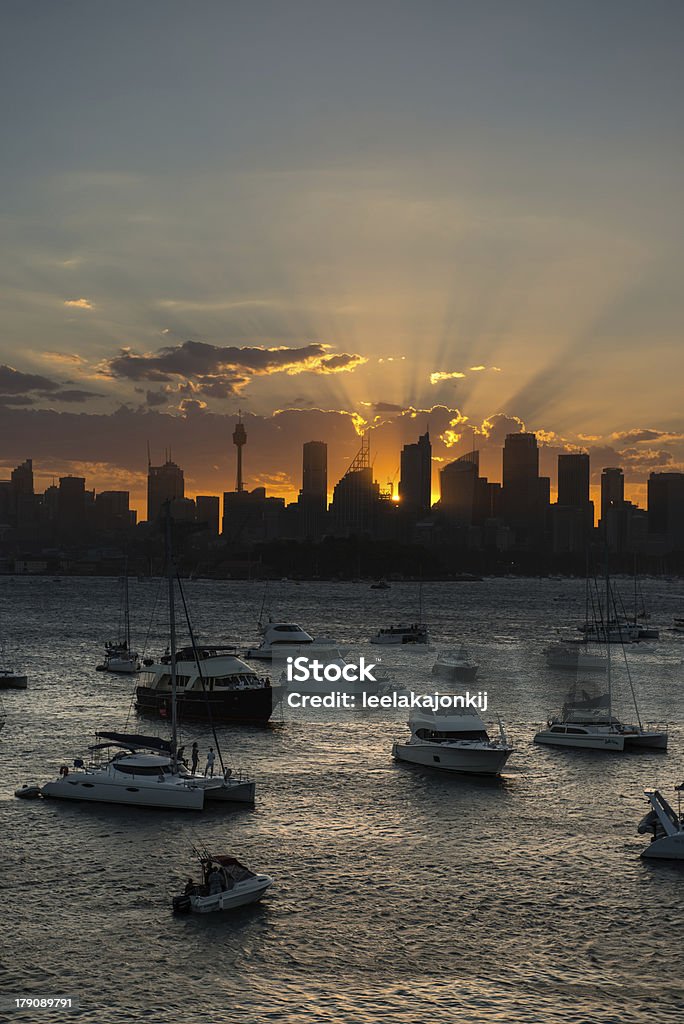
<point>400,895</point>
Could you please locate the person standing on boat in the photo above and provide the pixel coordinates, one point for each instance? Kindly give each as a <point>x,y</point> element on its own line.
<point>211,757</point>
<point>195,757</point>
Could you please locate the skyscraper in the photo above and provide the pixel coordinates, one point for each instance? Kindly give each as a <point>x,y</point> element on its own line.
<point>573,480</point>
<point>315,471</point>
<point>666,508</point>
<point>458,490</point>
<point>415,482</point>
<point>164,483</point>
<point>207,511</point>
<point>612,490</point>
<point>525,493</point>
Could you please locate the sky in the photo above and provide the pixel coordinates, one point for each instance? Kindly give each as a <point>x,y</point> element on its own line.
<point>336,217</point>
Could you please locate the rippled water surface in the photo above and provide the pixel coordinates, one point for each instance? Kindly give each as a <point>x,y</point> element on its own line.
<point>400,895</point>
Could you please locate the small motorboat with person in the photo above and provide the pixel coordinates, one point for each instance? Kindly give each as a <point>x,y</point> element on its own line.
<point>225,884</point>
<point>665,825</point>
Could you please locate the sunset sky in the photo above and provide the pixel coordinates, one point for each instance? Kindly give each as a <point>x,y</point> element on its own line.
<point>338,216</point>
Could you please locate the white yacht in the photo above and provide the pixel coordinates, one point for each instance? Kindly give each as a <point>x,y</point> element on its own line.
<point>226,885</point>
<point>616,631</point>
<point>456,666</point>
<point>453,742</point>
<point>212,684</point>
<point>144,773</point>
<point>284,639</point>
<point>401,634</point>
<point>665,825</point>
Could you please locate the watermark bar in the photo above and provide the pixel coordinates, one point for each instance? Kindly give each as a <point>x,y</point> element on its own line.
<point>38,1004</point>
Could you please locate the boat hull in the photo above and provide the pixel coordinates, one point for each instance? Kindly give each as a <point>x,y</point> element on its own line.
<point>646,740</point>
<point>13,682</point>
<point>233,898</point>
<point>597,741</point>
<point>452,758</point>
<point>249,706</point>
<point>666,848</point>
<point>233,792</point>
<point>455,673</point>
<point>80,786</point>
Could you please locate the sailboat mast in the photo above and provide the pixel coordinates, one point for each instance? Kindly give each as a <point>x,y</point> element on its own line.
<point>127,616</point>
<point>172,631</point>
<point>607,639</point>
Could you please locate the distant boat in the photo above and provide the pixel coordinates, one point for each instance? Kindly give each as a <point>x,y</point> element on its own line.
<point>119,657</point>
<point>280,639</point>
<point>402,634</point>
<point>380,585</point>
<point>455,665</point>
<point>9,678</point>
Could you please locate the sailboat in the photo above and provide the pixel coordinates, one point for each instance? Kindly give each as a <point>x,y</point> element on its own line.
<point>587,721</point>
<point>147,771</point>
<point>405,632</point>
<point>665,825</point>
<point>119,657</point>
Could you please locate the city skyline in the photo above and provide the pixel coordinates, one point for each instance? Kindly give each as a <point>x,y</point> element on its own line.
<point>493,245</point>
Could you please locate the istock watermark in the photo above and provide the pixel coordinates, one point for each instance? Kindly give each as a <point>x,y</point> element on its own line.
<point>303,670</point>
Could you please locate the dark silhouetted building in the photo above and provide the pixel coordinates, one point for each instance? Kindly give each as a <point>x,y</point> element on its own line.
<point>113,512</point>
<point>313,498</point>
<point>666,509</point>
<point>573,480</point>
<point>164,483</point>
<point>525,493</point>
<point>458,489</point>
<point>415,481</point>
<point>71,504</point>
<point>573,514</point>
<point>250,516</point>
<point>612,489</point>
<point>207,508</point>
<point>356,497</point>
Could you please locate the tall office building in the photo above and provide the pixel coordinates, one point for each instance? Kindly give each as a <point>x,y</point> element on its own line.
<point>315,471</point>
<point>22,478</point>
<point>312,503</point>
<point>112,511</point>
<point>612,489</point>
<point>207,511</point>
<point>525,493</point>
<point>573,480</point>
<point>415,482</point>
<point>458,489</point>
<point>71,504</point>
<point>666,508</point>
<point>164,483</point>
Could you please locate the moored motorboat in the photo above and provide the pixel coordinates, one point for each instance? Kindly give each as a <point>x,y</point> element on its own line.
<point>11,680</point>
<point>284,639</point>
<point>402,634</point>
<point>453,742</point>
<point>665,825</point>
<point>572,656</point>
<point>226,885</point>
<point>455,666</point>
<point>213,684</point>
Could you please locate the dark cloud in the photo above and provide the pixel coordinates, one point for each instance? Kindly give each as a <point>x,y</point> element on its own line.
<point>72,395</point>
<point>156,398</point>
<point>16,400</point>
<point>639,434</point>
<point>14,382</point>
<point>198,360</point>
<point>381,407</point>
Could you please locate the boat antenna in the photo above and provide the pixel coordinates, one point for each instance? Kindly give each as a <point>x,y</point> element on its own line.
<point>172,629</point>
